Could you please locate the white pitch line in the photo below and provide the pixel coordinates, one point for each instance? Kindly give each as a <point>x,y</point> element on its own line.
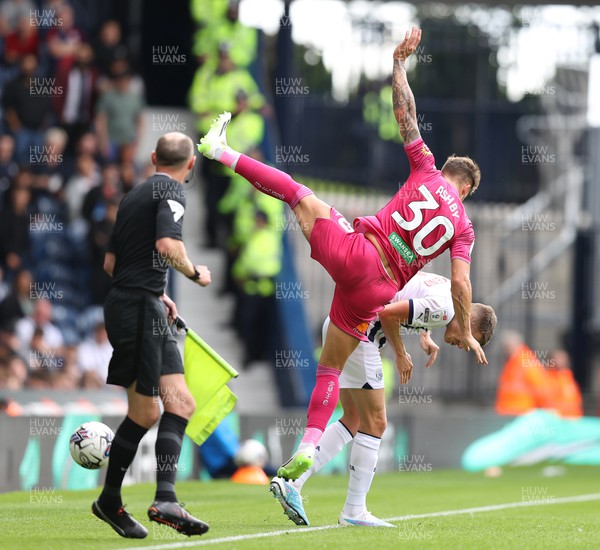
<point>301,530</point>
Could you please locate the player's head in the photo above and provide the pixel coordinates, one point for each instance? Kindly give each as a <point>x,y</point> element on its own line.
<point>464,173</point>
<point>174,152</point>
<point>483,325</point>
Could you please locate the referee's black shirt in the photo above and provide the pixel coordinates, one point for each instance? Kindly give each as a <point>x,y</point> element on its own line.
<point>150,211</point>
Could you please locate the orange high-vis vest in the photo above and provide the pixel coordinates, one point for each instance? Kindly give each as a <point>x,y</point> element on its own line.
<point>567,397</point>
<point>524,384</point>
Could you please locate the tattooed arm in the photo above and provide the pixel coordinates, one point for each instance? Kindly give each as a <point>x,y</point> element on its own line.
<point>403,99</point>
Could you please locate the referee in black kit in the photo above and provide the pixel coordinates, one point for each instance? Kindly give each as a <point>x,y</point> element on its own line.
<point>146,240</point>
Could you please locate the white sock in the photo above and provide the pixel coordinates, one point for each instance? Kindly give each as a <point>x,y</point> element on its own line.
<point>227,156</point>
<point>334,439</point>
<point>363,461</point>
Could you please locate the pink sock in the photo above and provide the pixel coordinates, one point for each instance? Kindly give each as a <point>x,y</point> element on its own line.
<point>228,157</point>
<point>323,401</point>
<point>271,181</point>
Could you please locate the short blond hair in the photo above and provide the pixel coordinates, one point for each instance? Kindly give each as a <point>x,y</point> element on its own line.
<point>483,320</point>
<point>464,169</point>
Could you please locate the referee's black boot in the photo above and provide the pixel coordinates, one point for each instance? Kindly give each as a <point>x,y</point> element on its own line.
<point>175,516</point>
<point>121,521</point>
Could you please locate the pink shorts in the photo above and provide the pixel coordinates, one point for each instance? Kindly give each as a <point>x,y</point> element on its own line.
<point>363,286</point>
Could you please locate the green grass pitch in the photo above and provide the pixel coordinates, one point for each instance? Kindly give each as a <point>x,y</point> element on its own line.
<point>61,520</point>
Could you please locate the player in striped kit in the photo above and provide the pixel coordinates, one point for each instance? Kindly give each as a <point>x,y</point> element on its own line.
<point>423,304</point>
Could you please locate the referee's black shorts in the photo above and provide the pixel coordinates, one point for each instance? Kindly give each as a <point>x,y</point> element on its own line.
<point>143,346</point>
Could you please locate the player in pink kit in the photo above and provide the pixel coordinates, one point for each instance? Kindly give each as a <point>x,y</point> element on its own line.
<point>372,261</point>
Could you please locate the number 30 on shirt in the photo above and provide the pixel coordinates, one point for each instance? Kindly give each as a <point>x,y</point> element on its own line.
<point>417,207</point>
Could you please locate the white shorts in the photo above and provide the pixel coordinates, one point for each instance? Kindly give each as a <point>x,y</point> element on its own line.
<point>363,370</point>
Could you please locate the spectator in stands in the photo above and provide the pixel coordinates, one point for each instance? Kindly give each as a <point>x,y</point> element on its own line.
<point>255,270</point>
<point>119,117</point>
<point>566,397</point>
<point>79,185</point>
<point>53,172</point>
<point>14,229</point>
<point>93,356</point>
<point>247,127</point>
<point>239,204</point>
<point>227,89</point>
<point>524,384</point>
<point>227,28</point>
<point>13,370</point>
<point>98,197</point>
<point>64,40</point>
<point>22,41</point>
<point>75,107</point>
<point>118,67</point>
<point>68,376</point>
<point>208,11</point>
<point>49,18</point>
<point>214,90</point>
<point>17,304</point>
<point>109,46</point>
<point>40,354</point>
<point>87,144</point>
<point>50,337</point>
<point>27,111</point>
<point>11,11</point>
<point>98,238</point>
<point>129,176</point>
<point>8,167</point>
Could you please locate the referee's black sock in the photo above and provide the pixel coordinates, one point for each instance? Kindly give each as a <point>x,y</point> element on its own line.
<point>168,449</point>
<point>122,451</point>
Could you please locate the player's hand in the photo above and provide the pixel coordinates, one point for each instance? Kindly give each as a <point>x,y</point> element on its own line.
<point>205,278</point>
<point>172,313</point>
<point>404,366</point>
<point>429,347</point>
<point>408,45</point>
<point>469,343</point>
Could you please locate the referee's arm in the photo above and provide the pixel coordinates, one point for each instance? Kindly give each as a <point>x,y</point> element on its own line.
<point>174,253</point>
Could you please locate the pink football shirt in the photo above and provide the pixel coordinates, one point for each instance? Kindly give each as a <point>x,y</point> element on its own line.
<point>422,220</point>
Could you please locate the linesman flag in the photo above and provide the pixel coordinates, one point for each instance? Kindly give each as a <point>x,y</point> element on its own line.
<point>206,376</point>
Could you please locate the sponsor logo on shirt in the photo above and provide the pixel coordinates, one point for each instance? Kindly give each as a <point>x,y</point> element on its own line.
<point>402,248</point>
<point>435,281</point>
<point>425,151</point>
<point>437,316</point>
<point>426,315</point>
<point>362,328</point>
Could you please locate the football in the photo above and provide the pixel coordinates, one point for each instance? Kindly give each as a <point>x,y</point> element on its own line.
<point>90,445</point>
<point>251,453</point>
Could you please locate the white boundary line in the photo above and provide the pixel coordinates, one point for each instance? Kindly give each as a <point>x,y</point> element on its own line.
<point>301,530</point>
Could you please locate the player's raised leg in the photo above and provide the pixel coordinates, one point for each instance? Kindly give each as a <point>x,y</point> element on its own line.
<point>363,458</point>
<point>179,406</point>
<point>142,414</point>
<point>266,179</point>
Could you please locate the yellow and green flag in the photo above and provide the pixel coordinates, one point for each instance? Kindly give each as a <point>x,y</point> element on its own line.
<point>206,375</point>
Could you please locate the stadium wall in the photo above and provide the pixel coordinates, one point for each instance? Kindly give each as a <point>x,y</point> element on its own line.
<point>419,438</point>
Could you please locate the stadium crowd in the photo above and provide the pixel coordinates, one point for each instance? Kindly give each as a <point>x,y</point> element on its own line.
<point>70,120</point>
